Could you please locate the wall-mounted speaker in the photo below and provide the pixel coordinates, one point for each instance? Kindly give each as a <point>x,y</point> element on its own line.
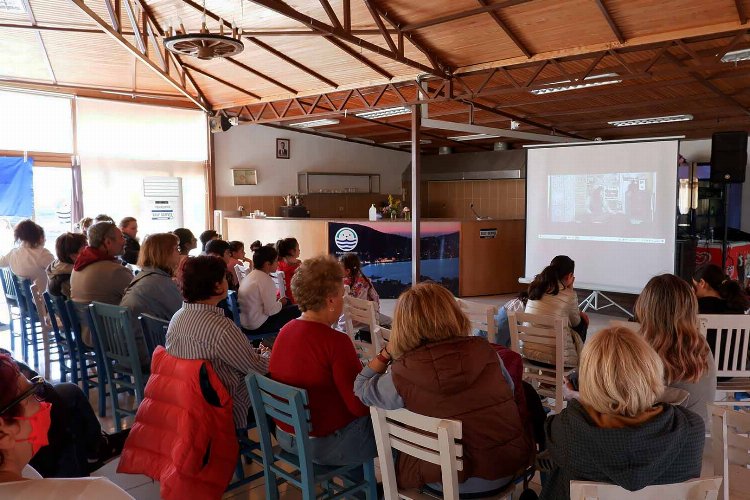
<point>728,156</point>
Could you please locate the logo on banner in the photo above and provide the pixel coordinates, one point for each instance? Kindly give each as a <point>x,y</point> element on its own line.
<point>346,239</point>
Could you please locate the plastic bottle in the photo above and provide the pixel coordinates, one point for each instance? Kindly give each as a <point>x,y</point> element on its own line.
<point>373,213</point>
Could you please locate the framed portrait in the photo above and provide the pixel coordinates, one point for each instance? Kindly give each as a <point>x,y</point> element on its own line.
<point>283,150</point>
<point>244,177</point>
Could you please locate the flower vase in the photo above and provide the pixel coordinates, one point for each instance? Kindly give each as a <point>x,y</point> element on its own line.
<point>393,215</point>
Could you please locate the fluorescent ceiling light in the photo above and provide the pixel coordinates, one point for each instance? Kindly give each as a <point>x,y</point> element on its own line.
<point>384,113</point>
<point>589,81</point>
<point>12,6</point>
<point>736,56</point>
<point>315,123</point>
<point>472,137</point>
<point>651,121</point>
<point>407,143</point>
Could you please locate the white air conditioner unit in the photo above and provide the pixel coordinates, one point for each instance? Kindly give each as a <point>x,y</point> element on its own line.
<point>163,197</point>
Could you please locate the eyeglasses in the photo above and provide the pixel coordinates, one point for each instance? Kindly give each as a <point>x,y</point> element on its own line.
<point>37,390</point>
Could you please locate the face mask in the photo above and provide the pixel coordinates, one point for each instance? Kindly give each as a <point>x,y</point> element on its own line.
<point>40,422</point>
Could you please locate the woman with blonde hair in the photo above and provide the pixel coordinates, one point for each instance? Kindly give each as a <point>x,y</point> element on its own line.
<point>618,431</point>
<point>667,311</point>
<point>153,291</point>
<point>438,370</point>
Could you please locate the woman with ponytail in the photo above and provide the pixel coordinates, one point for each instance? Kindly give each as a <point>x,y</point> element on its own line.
<point>552,294</point>
<point>717,293</point>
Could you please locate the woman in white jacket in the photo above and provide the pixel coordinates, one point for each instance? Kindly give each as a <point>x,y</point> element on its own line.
<point>29,259</point>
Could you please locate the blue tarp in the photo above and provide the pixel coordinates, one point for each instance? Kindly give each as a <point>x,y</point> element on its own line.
<point>16,187</point>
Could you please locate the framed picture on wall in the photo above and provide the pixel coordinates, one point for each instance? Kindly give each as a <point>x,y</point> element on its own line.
<point>283,150</point>
<point>244,177</point>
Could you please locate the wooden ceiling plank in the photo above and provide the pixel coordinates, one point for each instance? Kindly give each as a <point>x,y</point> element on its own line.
<point>611,22</point>
<point>381,27</point>
<point>741,14</point>
<point>687,50</point>
<point>273,110</point>
<point>260,75</point>
<point>461,15</point>
<point>62,29</point>
<point>291,61</point>
<point>417,42</point>
<point>509,77</point>
<point>490,74</point>
<point>591,67</point>
<point>220,80</point>
<point>359,57</point>
<point>508,32</point>
<point>312,33</point>
<point>340,35</point>
<point>286,107</point>
<point>45,55</point>
<point>622,61</point>
<point>364,100</point>
<point>133,50</point>
<point>533,77</point>
<point>112,17</point>
<point>461,82</point>
<point>563,72</point>
<point>330,13</point>
<point>136,28</point>
<point>315,104</point>
<point>397,92</point>
<point>655,59</point>
<point>379,96</point>
<point>346,100</point>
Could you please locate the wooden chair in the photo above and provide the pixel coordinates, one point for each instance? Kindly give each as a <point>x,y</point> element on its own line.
<point>154,331</point>
<point>430,439</point>
<point>545,331</point>
<point>482,317</point>
<point>380,337</point>
<point>288,404</point>
<point>361,312</point>
<point>240,271</point>
<point>33,316</point>
<point>12,300</point>
<point>696,489</point>
<point>66,348</point>
<point>234,306</point>
<point>731,451</point>
<point>730,347</point>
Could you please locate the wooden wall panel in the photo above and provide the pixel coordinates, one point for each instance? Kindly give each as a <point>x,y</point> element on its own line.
<point>491,266</point>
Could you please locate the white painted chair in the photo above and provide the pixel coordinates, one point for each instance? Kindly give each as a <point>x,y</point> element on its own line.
<point>430,439</point>
<point>543,331</point>
<point>356,312</point>
<point>482,317</point>
<point>731,451</point>
<point>380,337</point>
<point>279,280</point>
<point>730,353</point>
<point>240,271</point>
<point>695,489</point>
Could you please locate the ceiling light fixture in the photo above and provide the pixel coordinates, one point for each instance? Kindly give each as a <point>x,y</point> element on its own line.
<point>472,137</point>
<point>406,143</point>
<point>204,44</point>
<point>736,56</point>
<point>651,121</point>
<point>384,113</point>
<point>315,123</point>
<point>588,82</point>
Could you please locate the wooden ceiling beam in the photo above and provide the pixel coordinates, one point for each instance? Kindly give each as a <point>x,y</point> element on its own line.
<point>359,57</point>
<point>291,61</point>
<point>330,13</point>
<point>134,23</point>
<point>312,33</point>
<point>610,21</point>
<point>741,13</point>
<point>340,35</point>
<point>381,27</point>
<point>38,27</point>
<point>45,55</point>
<point>508,32</point>
<point>260,75</point>
<point>347,8</point>
<point>415,40</point>
<point>220,80</point>
<point>461,15</point>
<point>533,123</point>
<point>120,39</point>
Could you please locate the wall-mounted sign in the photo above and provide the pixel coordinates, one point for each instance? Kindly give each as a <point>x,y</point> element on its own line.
<point>244,177</point>
<point>488,233</point>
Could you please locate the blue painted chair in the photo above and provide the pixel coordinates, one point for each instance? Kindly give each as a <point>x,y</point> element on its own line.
<point>34,333</point>
<point>154,331</point>
<point>66,348</point>
<point>117,343</point>
<point>287,404</point>
<point>14,308</point>
<point>90,360</point>
<point>234,306</point>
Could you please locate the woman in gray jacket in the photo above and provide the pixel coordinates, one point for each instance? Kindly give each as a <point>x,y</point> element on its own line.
<point>153,291</point>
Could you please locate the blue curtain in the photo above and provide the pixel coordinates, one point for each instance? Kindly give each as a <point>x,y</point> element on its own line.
<point>16,187</point>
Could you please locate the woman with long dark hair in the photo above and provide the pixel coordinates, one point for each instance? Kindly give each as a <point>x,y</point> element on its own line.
<point>717,293</point>
<point>289,251</point>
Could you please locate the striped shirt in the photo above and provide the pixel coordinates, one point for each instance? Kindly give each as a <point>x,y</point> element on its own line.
<point>201,331</point>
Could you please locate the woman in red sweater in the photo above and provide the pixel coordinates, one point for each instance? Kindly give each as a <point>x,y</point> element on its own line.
<point>311,355</point>
<point>289,262</point>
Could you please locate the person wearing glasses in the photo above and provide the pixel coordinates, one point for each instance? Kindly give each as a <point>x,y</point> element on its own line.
<point>25,421</point>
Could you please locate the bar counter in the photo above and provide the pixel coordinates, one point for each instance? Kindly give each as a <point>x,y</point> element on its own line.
<point>486,255</point>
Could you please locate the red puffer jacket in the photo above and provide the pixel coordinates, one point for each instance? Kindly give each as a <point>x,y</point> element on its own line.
<point>184,434</point>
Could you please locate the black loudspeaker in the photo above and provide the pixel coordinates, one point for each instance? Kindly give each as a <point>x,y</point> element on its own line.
<point>685,258</point>
<point>728,156</point>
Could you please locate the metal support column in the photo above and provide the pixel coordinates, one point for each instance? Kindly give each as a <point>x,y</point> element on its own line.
<point>416,171</point>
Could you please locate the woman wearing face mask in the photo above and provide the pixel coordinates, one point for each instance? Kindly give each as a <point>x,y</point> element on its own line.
<point>24,425</point>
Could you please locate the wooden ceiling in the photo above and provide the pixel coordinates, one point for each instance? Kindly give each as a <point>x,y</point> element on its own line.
<point>476,61</point>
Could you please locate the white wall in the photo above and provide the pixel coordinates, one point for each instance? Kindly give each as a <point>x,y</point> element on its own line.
<point>700,151</point>
<point>254,146</point>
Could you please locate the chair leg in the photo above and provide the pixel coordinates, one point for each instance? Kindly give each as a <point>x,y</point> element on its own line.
<point>34,344</point>
<point>271,486</point>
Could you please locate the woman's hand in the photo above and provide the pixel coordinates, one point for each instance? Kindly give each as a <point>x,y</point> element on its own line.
<point>568,391</point>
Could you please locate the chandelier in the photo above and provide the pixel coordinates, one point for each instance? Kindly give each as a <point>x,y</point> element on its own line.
<point>204,44</point>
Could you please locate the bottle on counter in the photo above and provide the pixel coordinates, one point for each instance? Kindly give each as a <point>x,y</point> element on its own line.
<point>373,213</point>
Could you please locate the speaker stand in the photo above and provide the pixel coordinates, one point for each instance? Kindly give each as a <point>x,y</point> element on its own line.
<point>592,301</point>
<point>726,228</point>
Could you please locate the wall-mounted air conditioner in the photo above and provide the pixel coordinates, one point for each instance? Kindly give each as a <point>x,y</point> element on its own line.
<point>163,207</point>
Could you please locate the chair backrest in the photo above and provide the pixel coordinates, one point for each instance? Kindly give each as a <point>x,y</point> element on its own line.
<point>359,311</point>
<point>154,330</point>
<point>61,328</point>
<point>79,317</point>
<point>731,342</point>
<point>279,279</point>
<point>545,331</point>
<point>9,287</point>
<point>115,334</point>
<point>695,489</point>
<point>379,337</point>
<point>234,306</point>
<point>25,297</point>
<point>482,317</point>
<point>240,271</point>
<point>731,450</point>
<point>427,438</point>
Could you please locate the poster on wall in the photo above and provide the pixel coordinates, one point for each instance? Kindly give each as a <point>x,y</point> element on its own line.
<point>384,249</point>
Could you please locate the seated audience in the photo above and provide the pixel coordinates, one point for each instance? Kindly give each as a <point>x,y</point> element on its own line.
<point>552,294</point>
<point>103,218</point>
<point>67,248</point>
<point>26,428</point>
<point>360,287</point>
<point>717,293</point>
<point>255,245</point>
<point>188,242</point>
<point>438,370</point>
<point>207,236</point>
<point>311,355</point>
<point>153,291</point>
<point>129,228</point>
<point>220,248</point>
<point>29,259</point>
<point>84,225</point>
<point>260,311</point>
<point>199,330</point>
<point>237,254</point>
<point>619,432</point>
<point>667,311</point>
<point>288,249</point>
<point>501,318</point>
